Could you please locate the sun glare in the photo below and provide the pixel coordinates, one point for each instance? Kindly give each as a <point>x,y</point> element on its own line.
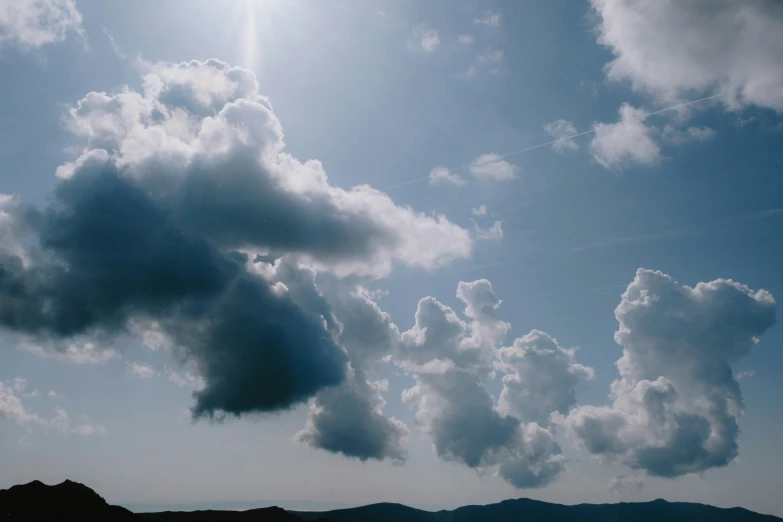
<point>259,20</point>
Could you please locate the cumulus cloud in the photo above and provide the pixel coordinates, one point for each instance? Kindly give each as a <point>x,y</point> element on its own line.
<point>185,217</point>
<point>450,358</point>
<point>348,419</point>
<point>12,409</point>
<point>673,49</point>
<point>443,176</point>
<point>744,374</point>
<point>34,23</point>
<point>538,367</point>
<point>561,130</point>
<point>425,38</point>
<point>492,167</point>
<point>141,370</point>
<point>629,141</point>
<point>466,39</point>
<point>55,396</point>
<point>677,404</point>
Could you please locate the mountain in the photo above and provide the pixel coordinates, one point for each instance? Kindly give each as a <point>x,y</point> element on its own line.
<point>534,511</point>
<point>73,501</point>
<point>66,501</point>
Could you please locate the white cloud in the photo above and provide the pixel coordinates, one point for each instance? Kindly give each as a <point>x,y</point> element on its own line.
<point>538,367</point>
<point>677,405</point>
<point>562,130</point>
<point>491,18</point>
<point>425,38</point>
<point>491,233</point>
<point>466,39</point>
<point>625,482</point>
<point>71,352</point>
<point>480,211</point>
<point>627,142</point>
<point>492,167</point>
<point>674,136</point>
<point>744,374</point>
<point>491,56</point>
<point>186,379</point>
<point>450,359</point>
<point>55,396</point>
<point>443,176</point>
<point>34,23</point>
<point>208,113</point>
<point>141,370</point>
<point>11,408</point>
<point>674,49</point>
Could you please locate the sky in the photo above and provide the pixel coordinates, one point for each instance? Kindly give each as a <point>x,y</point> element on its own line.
<point>436,253</point>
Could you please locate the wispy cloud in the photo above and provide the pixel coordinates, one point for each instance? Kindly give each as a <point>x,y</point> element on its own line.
<point>425,38</point>
<point>491,19</point>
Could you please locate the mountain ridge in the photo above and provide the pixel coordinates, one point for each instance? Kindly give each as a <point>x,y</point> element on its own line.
<point>74,501</point>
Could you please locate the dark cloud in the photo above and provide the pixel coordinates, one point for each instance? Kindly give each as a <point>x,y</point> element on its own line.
<point>348,419</point>
<point>184,222</point>
<point>110,253</point>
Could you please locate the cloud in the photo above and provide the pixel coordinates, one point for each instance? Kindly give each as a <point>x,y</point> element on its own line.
<point>744,374</point>
<point>538,367</point>
<point>492,167</point>
<point>561,130</point>
<point>677,404</point>
<point>674,136</point>
<point>443,176</point>
<point>491,19</point>
<point>674,49</point>
<point>450,358</point>
<point>480,211</point>
<point>628,142</point>
<point>55,396</point>
<point>491,56</point>
<point>492,233</point>
<point>425,39</point>
<point>141,370</point>
<point>185,216</point>
<point>34,23</point>
<point>348,419</point>
<point>12,409</point>
<point>466,39</point>
<point>85,352</point>
<point>185,379</point>
<point>625,482</point>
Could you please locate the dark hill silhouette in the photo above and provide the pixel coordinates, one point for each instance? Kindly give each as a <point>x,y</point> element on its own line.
<point>528,510</point>
<point>270,514</point>
<point>65,501</point>
<point>73,501</point>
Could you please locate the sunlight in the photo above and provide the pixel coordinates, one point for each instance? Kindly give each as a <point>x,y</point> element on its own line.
<point>261,20</point>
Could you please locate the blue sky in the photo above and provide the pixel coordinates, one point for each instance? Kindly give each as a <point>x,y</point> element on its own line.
<point>440,107</point>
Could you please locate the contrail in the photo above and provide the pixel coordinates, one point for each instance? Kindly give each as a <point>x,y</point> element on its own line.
<point>548,143</point>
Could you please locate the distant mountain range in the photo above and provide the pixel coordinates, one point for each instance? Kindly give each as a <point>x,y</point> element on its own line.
<point>73,501</point>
